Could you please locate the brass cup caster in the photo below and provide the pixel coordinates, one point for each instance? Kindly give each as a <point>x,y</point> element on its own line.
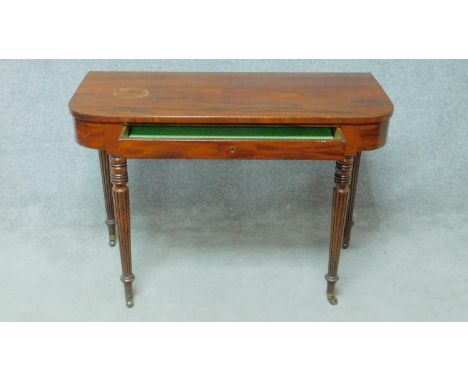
<point>129,302</point>
<point>347,236</point>
<point>332,299</point>
<point>112,236</point>
<point>127,281</point>
<point>112,240</point>
<point>331,281</point>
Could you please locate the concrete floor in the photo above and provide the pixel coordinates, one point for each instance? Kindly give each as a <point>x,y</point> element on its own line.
<point>221,265</point>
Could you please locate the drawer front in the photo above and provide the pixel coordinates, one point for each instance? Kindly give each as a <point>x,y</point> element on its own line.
<point>231,142</point>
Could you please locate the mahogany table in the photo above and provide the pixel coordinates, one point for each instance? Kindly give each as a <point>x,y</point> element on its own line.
<point>141,115</point>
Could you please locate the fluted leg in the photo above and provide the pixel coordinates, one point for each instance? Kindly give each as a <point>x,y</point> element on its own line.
<point>119,179</point>
<point>340,203</point>
<point>107,187</point>
<point>352,197</point>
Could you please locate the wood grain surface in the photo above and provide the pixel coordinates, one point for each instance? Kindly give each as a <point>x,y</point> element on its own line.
<point>219,98</point>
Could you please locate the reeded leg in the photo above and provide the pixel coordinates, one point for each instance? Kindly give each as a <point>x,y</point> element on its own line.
<point>340,203</point>
<point>119,179</point>
<point>352,196</point>
<point>107,187</point>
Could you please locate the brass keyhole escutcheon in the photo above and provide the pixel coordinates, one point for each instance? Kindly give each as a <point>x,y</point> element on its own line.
<point>232,150</point>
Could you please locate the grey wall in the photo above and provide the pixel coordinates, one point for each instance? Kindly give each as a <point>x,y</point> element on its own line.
<point>418,179</point>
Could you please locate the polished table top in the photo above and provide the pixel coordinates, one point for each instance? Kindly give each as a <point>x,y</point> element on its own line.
<point>224,98</point>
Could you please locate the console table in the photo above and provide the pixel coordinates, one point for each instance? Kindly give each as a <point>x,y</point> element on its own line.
<point>162,115</point>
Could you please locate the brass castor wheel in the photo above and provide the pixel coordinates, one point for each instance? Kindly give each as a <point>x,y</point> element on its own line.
<point>127,281</point>
<point>332,299</point>
<point>112,240</point>
<point>347,236</point>
<point>129,302</point>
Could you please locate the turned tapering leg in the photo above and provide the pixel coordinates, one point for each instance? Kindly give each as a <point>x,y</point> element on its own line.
<point>352,196</point>
<point>340,204</point>
<point>120,192</point>
<point>107,187</point>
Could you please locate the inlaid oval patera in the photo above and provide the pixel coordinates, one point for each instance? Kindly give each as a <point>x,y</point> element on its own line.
<point>129,93</point>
